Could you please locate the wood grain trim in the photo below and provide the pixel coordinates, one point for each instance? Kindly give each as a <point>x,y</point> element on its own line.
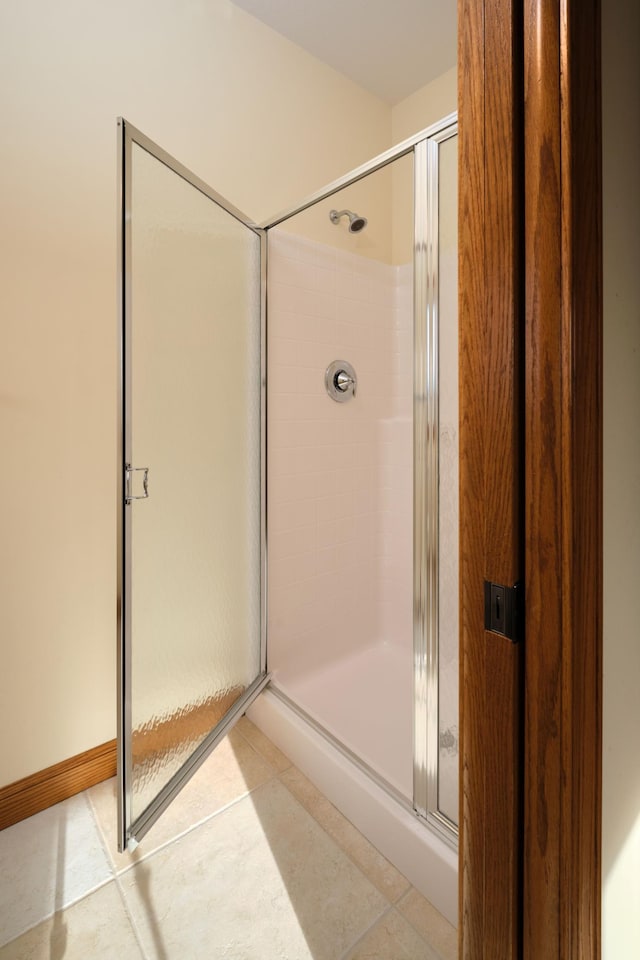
<point>582,323</point>
<point>490,319</point>
<point>32,794</point>
<point>542,481</point>
<point>563,242</point>
<point>503,538</point>
<point>471,109</point>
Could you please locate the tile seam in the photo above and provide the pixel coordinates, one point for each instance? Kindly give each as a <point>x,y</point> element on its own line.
<point>346,853</point>
<point>131,919</point>
<point>192,827</point>
<point>436,953</point>
<point>61,910</point>
<point>277,772</point>
<point>365,933</point>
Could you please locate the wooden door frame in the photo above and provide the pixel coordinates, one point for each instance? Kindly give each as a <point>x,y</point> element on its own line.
<point>490,267</point>
<point>531,476</point>
<point>563,482</point>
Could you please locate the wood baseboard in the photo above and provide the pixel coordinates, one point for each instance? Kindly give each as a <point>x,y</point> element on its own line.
<point>32,794</point>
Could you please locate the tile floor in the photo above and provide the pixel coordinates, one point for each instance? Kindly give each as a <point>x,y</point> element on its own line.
<point>251,862</point>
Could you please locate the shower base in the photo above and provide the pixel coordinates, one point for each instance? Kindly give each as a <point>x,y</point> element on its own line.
<point>429,863</point>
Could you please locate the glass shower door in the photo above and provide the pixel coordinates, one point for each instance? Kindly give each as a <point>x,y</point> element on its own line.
<point>191,492</point>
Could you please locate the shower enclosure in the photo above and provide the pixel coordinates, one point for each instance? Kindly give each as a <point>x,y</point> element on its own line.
<point>288,490</point>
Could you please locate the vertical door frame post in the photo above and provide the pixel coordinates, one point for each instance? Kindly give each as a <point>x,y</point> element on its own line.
<point>531,380</point>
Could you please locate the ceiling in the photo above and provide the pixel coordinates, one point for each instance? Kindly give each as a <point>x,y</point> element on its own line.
<point>389,47</point>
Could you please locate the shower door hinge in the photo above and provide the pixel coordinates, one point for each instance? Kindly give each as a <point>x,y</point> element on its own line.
<point>503,610</point>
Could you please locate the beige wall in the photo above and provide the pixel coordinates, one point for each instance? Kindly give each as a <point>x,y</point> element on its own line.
<point>426,106</point>
<point>621,760</point>
<point>252,114</point>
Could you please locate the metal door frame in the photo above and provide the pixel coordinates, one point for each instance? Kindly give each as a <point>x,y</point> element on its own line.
<point>128,837</point>
<point>424,146</point>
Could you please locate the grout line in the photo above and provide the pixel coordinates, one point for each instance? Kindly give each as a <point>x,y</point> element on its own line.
<point>83,896</point>
<point>60,910</point>
<point>276,772</point>
<point>101,835</point>
<point>404,896</point>
<point>5,943</point>
<point>192,827</point>
<point>365,933</point>
<point>131,919</point>
<point>343,850</point>
<point>120,871</point>
<point>432,953</point>
<point>85,893</point>
<point>436,953</point>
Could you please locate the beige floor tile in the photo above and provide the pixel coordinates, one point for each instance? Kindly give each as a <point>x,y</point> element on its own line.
<point>263,745</point>
<point>380,872</point>
<point>392,938</point>
<point>96,928</point>
<point>260,881</point>
<point>430,924</point>
<point>47,862</point>
<point>232,771</point>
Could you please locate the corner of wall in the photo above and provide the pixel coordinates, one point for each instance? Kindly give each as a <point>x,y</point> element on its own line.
<point>425,106</point>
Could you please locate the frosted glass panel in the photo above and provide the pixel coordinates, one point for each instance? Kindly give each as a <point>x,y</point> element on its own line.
<point>195,423</point>
<point>448,480</point>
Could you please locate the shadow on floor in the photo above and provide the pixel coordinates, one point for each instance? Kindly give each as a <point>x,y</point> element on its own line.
<point>143,878</point>
<point>314,886</point>
<point>58,935</point>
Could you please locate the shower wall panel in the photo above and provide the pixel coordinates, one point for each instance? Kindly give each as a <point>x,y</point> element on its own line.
<point>394,520</point>
<point>340,475</point>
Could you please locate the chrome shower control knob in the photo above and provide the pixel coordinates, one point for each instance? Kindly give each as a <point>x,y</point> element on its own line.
<point>340,381</point>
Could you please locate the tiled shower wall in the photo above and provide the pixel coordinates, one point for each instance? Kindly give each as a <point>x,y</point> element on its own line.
<point>340,474</point>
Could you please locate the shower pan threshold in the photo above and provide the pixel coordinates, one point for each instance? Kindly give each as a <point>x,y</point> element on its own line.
<point>378,811</point>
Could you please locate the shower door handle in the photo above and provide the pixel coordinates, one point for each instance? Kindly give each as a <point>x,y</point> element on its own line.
<point>128,483</point>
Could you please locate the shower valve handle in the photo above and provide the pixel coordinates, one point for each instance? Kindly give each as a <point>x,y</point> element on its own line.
<point>340,381</point>
<point>343,381</point>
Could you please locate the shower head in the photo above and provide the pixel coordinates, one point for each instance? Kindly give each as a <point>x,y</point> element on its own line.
<point>356,223</point>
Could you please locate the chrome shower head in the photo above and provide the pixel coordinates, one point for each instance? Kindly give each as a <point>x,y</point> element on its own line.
<point>356,223</point>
